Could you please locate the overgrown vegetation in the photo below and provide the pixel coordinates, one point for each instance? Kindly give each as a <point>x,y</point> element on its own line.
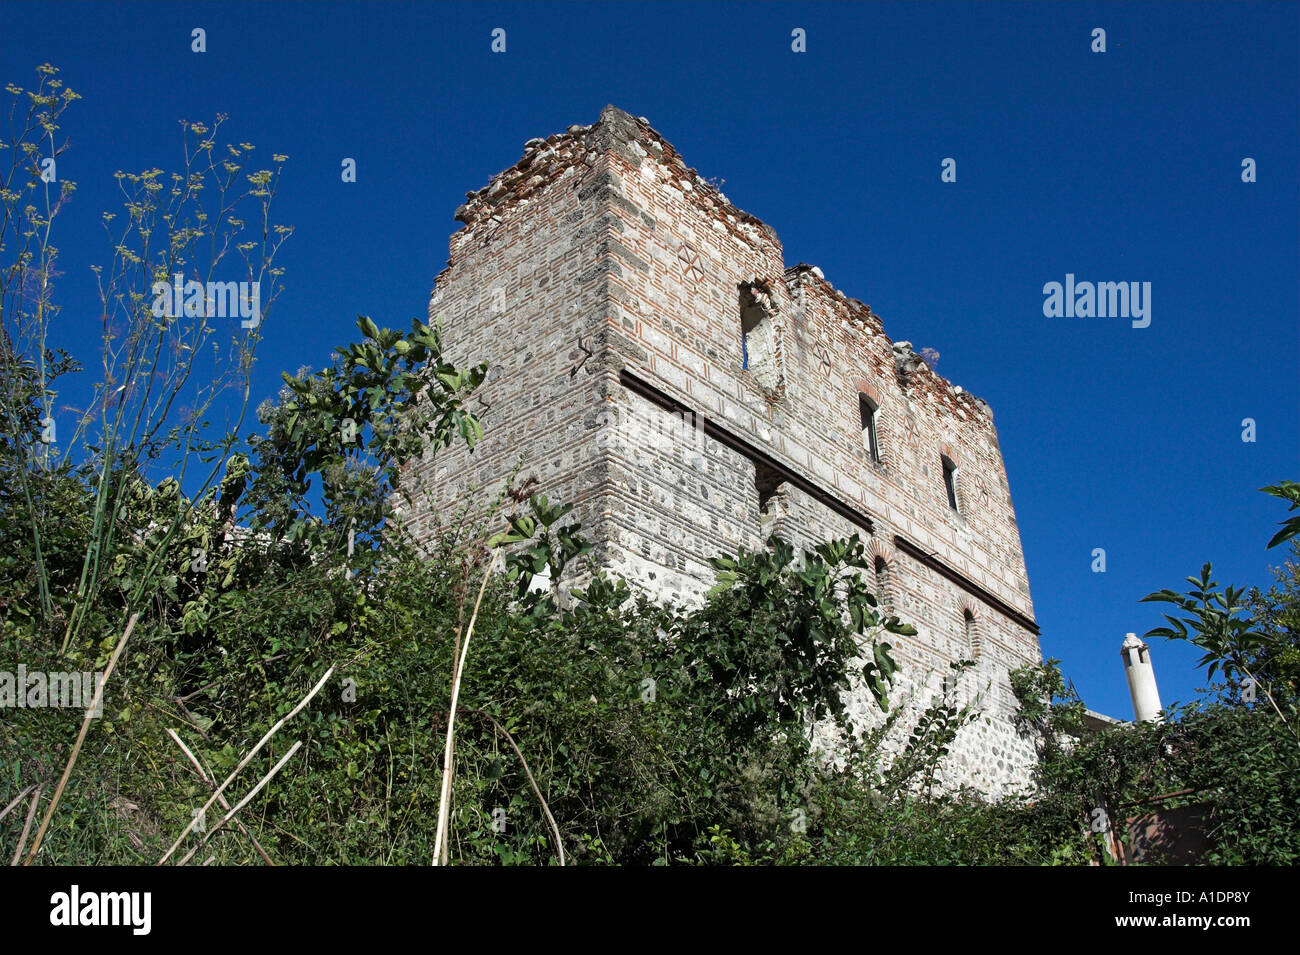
<point>589,719</point>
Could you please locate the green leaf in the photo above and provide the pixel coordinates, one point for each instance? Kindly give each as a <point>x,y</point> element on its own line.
<point>367,327</point>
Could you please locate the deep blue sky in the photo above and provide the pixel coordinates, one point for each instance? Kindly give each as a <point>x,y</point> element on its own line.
<point>1123,166</point>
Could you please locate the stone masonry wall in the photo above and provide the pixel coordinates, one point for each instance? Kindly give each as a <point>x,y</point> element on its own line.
<point>524,290</point>
<point>611,255</point>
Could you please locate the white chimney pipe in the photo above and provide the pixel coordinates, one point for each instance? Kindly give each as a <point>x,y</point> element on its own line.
<point>1141,679</point>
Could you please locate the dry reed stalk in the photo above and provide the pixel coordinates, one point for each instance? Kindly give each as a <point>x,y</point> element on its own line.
<point>211,784</point>
<point>16,800</point>
<point>244,762</point>
<point>27,827</point>
<point>81,737</point>
<point>559,845</point>
<point>243,802</point>
<point>444,801</point>
<point>255,790</point>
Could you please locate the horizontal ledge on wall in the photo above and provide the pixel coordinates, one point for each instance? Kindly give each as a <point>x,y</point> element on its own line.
<point>966,584</point>
<point>738,444</point>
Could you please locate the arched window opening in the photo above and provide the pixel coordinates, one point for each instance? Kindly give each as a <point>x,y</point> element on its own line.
<point>868,410</point>
<point>882,583</point>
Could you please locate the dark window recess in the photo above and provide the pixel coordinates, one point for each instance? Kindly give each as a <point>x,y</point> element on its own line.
<point>950,481</point>
<point>768,481</point>
<point>867,409</point>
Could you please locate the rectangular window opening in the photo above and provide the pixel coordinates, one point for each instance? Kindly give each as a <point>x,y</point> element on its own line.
<point>950,481</point>
<point>768,482</point>
<point>868,410</point>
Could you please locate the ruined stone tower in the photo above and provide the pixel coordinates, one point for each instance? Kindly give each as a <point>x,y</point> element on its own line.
<point>655,363</point>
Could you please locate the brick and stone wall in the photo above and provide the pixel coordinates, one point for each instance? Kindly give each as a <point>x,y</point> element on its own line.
<point>599,255</point>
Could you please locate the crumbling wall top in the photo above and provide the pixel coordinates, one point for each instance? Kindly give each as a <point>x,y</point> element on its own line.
<point>634,140</point>
<point>579,147</point>
<point>913,371</point>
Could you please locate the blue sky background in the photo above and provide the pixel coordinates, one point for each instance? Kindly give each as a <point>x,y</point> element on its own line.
<point>1117,166</point>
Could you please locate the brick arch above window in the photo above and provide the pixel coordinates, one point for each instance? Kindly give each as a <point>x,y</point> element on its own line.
<point>862,386</point>
<point>881,558</point>
<point>878,548</point>
<point>869,414</point>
